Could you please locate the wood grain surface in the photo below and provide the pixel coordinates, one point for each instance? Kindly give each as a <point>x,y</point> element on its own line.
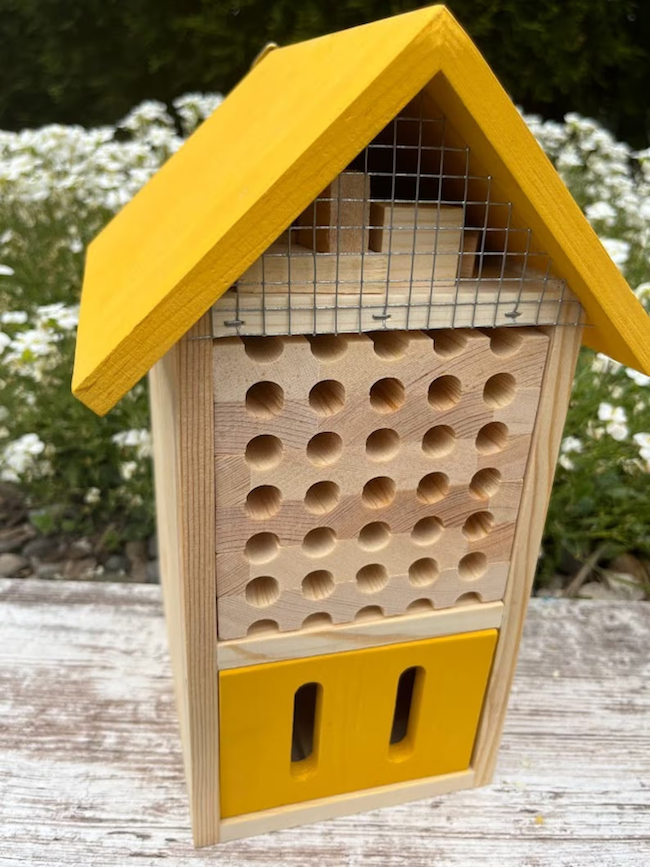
<point>91,767</point>
<point>387,431</point>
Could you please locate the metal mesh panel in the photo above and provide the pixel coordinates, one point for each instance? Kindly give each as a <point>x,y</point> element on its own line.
<point>410,236</point>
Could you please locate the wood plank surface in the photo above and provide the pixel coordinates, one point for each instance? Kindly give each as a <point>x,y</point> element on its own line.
<point>91,767</point>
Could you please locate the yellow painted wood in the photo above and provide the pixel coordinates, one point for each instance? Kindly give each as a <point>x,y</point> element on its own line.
<point>283,134</point>
<point>354,719</point>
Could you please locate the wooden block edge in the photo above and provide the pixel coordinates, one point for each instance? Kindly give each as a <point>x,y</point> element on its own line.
<point>321,809</point>
<point>243,652</point>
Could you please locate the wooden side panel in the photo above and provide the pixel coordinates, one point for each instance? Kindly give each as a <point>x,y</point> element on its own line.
<point>538,481</point>
<point>182,411</point>
<point>163,396</point>
<point>378,716</point>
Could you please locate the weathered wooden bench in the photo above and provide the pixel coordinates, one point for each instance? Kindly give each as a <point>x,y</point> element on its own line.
<point>91,773</point>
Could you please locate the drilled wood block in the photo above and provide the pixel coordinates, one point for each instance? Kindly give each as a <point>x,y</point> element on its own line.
<point>370,474</point>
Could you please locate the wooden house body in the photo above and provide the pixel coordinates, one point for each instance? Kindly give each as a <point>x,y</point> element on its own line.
<point>360,289</point>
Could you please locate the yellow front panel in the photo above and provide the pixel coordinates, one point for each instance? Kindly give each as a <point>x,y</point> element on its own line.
<point>354,718</point>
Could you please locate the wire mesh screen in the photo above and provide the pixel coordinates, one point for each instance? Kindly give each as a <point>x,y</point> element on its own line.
<point>413,234</point>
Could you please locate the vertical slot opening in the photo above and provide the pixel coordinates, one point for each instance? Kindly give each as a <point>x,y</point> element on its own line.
<point>304,733</point>
<point>405,715</point>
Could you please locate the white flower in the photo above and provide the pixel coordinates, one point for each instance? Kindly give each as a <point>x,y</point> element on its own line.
<point>642,292</point>
<point>637,376</point>
<point>566,462</point>
<point>600,211</point>
<point>6,271</point>
<point>616,419</point>
<point>127,470</point>
<point>93,495</point>
<point>66,318</point>
<point>617,249</point>
<point>19,457</point>
<point>138,439</point>
<point>617,431</point>
<point>607,412</point>
<point>14,317</point>
<point>5,341</point>
<point>643,442</point>
<point>571,444</point>
<point>604,364</point>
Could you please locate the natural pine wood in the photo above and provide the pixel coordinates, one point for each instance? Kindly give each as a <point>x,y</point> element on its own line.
<point>321,809</point>
<point>537,301</point>
<point>538,482</point>
<point>334,222</point>
<point>382,457</point>
<point>183,429</point>
<point>257,650</point>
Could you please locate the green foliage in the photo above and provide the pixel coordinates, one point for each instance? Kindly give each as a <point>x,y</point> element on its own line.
<point>90,62</point>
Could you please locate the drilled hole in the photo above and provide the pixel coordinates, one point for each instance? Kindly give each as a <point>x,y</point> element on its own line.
<point>262,626</point>
<point>264,399</point>
<point>382,445</point>
<point>390,345</point>
<point>478,526</point>
<point>504,342</point>
<point>319,542</point>
<point>447,344</point>
<point>263,349</point>
<point>404,720</point>
<point>322,497</point>
<point>262,592</point>
<point>328,347</point>
<point>438,441</point>
<point>485,483</point>
<point>327,397</point>
<point>318,585</point>
<point>324,449</point>
<point>492,438</point>
<point>372,578</point>
<point>370,612</point>
<point>387,395</point>
<point>445,392</point>
<point>378,492</point>
<point>468,599</point>
<point>433,488</point>
<point>473,566</point>
<point>317,620</point>
<point>262,547</point>
<point>420,606</point>
<point>263,502</point>
<point>499,390</point>
<point>304,736</point>
<point>374,536</point>
<point>423,572</point>
<point>264,452</point>
<point>427,531</point>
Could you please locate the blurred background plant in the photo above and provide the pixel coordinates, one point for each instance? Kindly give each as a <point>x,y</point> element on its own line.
<point>66,473</point>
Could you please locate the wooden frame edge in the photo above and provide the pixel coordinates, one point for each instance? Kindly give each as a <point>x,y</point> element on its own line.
<point>183,426</point>
<point>554,399</point>
<point>243,652</point>
<point>321,809</point>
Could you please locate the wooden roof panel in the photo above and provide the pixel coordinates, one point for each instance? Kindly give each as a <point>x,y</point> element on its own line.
<point>293,123</point>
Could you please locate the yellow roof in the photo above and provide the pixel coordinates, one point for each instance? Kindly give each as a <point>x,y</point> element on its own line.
<point>293,123</point>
